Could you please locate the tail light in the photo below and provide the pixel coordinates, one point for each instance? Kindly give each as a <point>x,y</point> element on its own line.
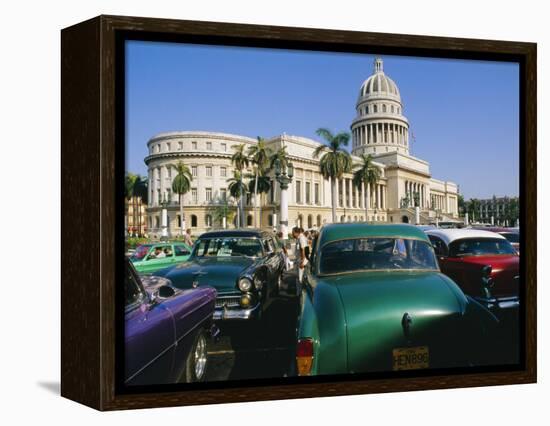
<point>304,356</point>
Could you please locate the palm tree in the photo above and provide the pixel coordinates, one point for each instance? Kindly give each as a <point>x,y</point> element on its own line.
<point>223,210</point>
<point>335,160</point>
<point>240,161</point>
<point>368,175</point>
<point>181,186</point>
<point>280,156</point>
<point>135,187</point>
<point>260,184</point>
<point>237,189</point>
<point>259,156</point>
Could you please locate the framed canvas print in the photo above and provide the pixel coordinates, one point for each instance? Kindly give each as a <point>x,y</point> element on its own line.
<point>255,212</point>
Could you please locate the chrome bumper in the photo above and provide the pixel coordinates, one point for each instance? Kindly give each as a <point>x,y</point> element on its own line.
<point>499,303</point>
<point>226,313</point>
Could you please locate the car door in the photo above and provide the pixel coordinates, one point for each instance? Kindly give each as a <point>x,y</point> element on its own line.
<point>149,335</point>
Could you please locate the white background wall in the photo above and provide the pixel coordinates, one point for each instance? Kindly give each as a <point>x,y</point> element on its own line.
<point>29,312</point>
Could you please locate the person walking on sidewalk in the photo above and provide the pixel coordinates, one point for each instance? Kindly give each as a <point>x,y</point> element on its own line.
<point>301,258</point>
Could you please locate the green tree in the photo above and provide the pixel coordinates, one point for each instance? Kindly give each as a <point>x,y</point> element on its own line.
<point>181,186</point>
<point>473,208</point>
<point>237,189</point>
<point>240,161</point>
<point>280,156</point>
<point>259,156</point>
<point>221,210</point>
<point>368,174</point>
<point>335,160</point>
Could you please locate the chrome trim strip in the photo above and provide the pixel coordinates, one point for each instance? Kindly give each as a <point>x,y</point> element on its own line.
<point>235,314</point>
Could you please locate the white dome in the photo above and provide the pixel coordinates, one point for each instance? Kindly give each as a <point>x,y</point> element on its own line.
<point>379,83</point>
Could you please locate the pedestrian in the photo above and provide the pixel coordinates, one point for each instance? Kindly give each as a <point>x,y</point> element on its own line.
<point>300,254</point>
<point>284,250</point>
<point>187,237</point>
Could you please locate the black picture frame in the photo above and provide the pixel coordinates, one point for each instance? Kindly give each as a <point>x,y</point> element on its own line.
<point>92,208</point>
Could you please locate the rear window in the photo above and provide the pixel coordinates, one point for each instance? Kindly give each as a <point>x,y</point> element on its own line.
<point>511,236</point>
<point>480,247</point>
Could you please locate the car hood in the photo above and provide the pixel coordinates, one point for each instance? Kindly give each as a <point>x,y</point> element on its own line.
<point>375,303</point>
<point>218,272</point>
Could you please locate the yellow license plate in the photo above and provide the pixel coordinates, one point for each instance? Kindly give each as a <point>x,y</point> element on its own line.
<point>411,358</point>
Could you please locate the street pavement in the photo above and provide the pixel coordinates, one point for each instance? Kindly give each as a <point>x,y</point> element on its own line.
<point>252,350</point>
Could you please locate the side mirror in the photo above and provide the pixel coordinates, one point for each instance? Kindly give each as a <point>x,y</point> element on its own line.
<point>164,292</point>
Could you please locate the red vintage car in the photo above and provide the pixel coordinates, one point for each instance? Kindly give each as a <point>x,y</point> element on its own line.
<point>485,266</point>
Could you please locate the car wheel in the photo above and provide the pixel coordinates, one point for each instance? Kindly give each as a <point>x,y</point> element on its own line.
<point>197,360</point>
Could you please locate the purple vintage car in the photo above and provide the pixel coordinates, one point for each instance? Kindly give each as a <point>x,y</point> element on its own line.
<point>166,330</point>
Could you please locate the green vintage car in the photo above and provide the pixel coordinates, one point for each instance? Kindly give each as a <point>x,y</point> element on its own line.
<point>151,257</point>
<point>373,300</point>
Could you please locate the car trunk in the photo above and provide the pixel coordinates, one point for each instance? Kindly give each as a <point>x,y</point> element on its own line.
<point>505,269</point>
<point>375,305</point>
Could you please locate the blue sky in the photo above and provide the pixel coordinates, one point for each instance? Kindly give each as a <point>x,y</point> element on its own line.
<point>464,114</point>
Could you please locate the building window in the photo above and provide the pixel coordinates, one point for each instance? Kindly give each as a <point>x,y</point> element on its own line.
<point>269,220</point>
<point>249,220</point>
<point>208,194</point>
<point>208,221</point>
<point>194,171</point>
<point>384,108</point>
<point>194,195</point>
<point>316,193</point>
<point>298,191</point>
<point>310,221</point>
<point>194,145</point>
<point>223,147</point>
<point>392,109</point>
<point>208,171</point>
<point>375,108</point>
<point>180,146</point>
<point>193,221</point>
<point>308,193</point>
<point>223,171</point>
<point>223,194</point>
<point>168,145</point>
<point>342,218</point>
<point>367,110</point>
<point>318,221</point>
<point>209,146</point>
<point>158,148</point>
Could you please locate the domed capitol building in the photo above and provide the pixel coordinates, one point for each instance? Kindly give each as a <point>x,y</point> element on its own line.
<point>379,128</point>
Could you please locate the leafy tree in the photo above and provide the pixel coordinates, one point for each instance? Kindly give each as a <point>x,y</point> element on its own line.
<point>335,160</point>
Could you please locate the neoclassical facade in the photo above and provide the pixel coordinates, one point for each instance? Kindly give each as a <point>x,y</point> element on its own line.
<point>379,129</point>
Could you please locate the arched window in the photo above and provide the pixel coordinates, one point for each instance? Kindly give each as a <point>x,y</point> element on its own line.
<point>367,110</point>
<point>384,108</point>
<point>375,108</point>
<point>342,218</point>
<point>361,218</point>
<point>405,219</point>
<point>355,218</point>
<point>392,109</point>
<point>249,220</point>
<point>300,221</point>
<point>310,221</point>
<point>270,220</point>
<point>318,220</point>
<point>193,221</point>
<point>208,220</point>
<point>349,218</point>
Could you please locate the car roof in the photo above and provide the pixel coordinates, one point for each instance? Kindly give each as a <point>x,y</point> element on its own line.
<point>342,231</point>
<point>450,235</point>
<point>236,233</point>
<point>498,229</point>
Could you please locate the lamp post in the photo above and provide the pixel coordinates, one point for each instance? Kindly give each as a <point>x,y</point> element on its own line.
<point>164,215</point>
<point>284,175</point>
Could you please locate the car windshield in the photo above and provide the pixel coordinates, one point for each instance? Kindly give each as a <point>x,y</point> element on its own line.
<point>140,253</point>
<point>511,236</point>
<point>227,246</point>
<point>361,254</point>
<point>480,247</point>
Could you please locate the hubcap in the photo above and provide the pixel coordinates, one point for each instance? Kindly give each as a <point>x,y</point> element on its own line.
<point>200,357</point>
